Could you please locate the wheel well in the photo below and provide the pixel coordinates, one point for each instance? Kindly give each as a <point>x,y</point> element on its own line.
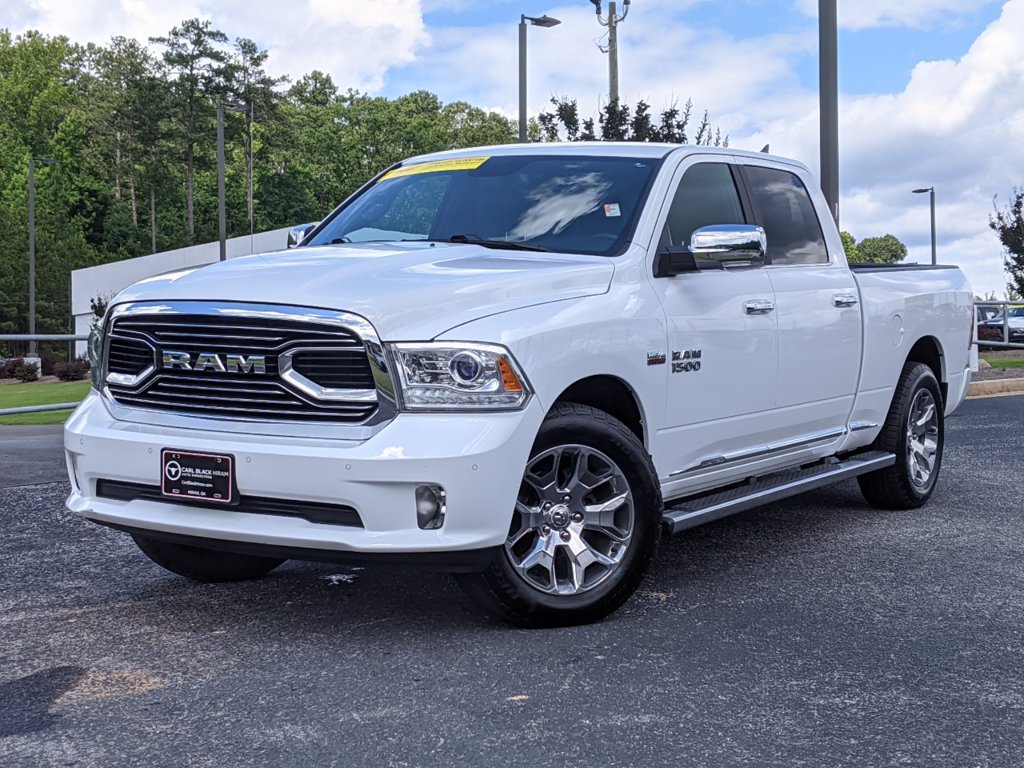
<point>927,350</point>
<point>611,395</point>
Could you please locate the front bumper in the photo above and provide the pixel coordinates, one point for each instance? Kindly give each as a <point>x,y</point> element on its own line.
<point>477,458</point>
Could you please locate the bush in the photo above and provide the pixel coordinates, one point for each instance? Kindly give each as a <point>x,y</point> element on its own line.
<point>76,370</point>
<point>8,366</point>
<point>25,372</point>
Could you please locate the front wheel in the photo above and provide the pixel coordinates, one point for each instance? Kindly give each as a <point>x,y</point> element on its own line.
<point>584,529</point>
<point>915,431</point>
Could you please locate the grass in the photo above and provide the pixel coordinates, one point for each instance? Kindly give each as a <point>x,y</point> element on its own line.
<point>40,393</point>
<point>1004,362</point>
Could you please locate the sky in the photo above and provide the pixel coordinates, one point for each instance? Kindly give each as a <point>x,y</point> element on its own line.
<point>930,90</point>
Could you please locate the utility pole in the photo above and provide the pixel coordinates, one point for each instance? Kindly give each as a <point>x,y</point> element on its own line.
<point>828,99</point>
<point>613,54</point>
<point>612,22</point>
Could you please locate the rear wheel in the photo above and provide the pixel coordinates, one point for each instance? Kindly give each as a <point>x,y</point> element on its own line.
<point>202,564</point>
<point>915,431</point>
<point>584,529</point>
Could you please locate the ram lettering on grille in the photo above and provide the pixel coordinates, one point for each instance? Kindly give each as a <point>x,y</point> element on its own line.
<point>210,361</point>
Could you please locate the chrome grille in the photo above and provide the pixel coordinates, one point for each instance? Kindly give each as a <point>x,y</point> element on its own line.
<point>129,355</point>
<point>336,361</point>
<point>338,369</point>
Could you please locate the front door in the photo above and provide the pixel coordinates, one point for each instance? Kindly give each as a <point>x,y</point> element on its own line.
<point>722,355</point>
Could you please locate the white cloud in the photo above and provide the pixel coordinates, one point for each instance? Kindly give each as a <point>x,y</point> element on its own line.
<point>958,125</point>
<point>357,49</point>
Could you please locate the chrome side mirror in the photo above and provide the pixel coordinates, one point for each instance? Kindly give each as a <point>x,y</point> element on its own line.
<point>718,246</point>
<point>730,245</point>
<point>297,234</point>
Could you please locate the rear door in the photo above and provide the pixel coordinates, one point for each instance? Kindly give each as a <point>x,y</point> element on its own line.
<point>817,308</point>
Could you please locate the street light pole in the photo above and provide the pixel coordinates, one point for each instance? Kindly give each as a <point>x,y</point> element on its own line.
<point>32,349</point>
<point>931,196</point>
<point>222,222</point>
<point>252,119</point>
<point>538,21</point>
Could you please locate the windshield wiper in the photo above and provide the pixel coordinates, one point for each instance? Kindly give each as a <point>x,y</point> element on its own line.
<point>498,244</point>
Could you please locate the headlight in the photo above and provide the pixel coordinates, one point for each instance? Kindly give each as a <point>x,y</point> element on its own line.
<point>96,355</point>
<point>453,376</point>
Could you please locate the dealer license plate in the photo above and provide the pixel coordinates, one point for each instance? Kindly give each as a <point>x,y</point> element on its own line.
<point>205,477</point>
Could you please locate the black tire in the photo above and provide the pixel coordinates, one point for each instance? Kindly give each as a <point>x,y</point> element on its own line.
<point>508,593</point>
<point>898,487</point>
<point>200,564</point>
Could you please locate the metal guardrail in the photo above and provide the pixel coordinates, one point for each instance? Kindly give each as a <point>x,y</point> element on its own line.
<point>43,337</point>
<point>40,337</point>
<point>991,315</point>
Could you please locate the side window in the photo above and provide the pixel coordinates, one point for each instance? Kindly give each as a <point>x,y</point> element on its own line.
<point>787,214</point>
<point>706,195</point>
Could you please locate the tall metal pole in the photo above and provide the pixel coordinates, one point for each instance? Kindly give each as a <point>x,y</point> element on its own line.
<point>932,195</point>
<point>522,79</point>
<point>828,89</point>
<point>252,117</point>
<point>32,253</point>
<point>152,218</point>
<point>613,55</point>
<point>222,226</point>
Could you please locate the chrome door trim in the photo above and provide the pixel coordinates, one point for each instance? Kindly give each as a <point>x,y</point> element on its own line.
<point>717,462</point>
<point>860,426</point>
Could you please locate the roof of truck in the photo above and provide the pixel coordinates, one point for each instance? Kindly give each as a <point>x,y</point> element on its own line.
<point>637,149</point>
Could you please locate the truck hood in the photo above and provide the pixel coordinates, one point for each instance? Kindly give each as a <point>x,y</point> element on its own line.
<point>408,291</point>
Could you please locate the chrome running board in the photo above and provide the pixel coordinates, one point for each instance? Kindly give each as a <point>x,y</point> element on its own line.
<point>757,491</point>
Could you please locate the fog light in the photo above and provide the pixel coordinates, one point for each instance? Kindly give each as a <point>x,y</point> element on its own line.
<point>430,504</point>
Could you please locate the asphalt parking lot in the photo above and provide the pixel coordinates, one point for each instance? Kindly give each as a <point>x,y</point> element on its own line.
<point>816,632</point>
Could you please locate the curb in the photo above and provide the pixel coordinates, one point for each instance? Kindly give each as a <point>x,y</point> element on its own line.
<point>995,387</point>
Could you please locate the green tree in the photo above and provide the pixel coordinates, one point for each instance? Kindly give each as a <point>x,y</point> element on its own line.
<point>886,249</point>
<point>1008,224</point>
<point>194,55</point>
<point>849,247</point>
<point>617,122</point>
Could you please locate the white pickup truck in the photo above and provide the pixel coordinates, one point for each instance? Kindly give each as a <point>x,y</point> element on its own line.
<point>520,364</point>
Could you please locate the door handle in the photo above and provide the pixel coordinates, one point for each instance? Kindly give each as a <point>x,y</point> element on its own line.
<point>844,300</point>
<point>758,306</point>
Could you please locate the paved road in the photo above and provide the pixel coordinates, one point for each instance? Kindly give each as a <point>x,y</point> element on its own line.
<point>812,633</point>
<point>30,455</point>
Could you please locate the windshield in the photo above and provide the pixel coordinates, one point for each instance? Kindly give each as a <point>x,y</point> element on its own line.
<point>569,204</point>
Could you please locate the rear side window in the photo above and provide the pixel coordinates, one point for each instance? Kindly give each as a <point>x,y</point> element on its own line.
<point>787,215</point>
<point>706,195</point>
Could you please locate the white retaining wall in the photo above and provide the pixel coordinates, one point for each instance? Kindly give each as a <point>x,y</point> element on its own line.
<point>107,279</point>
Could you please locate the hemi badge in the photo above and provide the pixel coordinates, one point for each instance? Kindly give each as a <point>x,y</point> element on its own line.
<point>656,358</point>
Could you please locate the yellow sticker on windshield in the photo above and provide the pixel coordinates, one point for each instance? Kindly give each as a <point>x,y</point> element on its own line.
<point>455,164</point>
